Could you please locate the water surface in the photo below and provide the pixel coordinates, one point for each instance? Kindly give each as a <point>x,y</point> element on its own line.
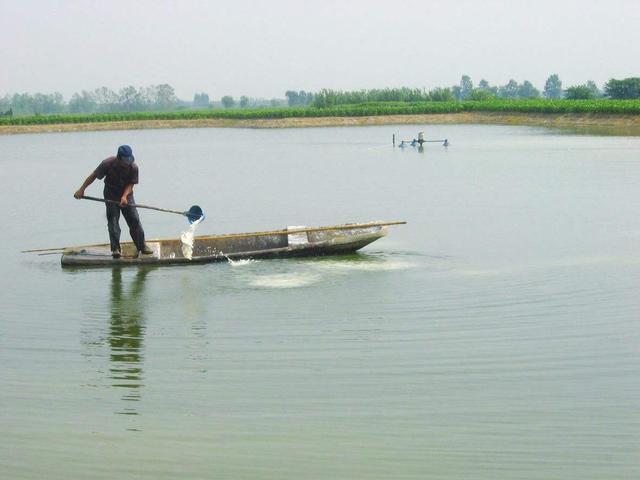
<point>494,336</point>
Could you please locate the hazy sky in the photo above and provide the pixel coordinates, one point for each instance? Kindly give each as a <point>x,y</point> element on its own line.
<point>263,48</point>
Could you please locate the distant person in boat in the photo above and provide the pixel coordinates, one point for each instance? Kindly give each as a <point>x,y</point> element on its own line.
<point>120,174</point>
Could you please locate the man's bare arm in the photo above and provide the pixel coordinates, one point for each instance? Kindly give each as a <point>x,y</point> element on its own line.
<point>127,190</point>
<point>89,180</point>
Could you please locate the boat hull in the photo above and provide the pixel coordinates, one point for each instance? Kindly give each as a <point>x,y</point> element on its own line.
<point>343,239</point>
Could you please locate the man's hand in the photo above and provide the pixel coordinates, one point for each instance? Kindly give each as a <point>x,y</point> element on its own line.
<point>80,193</point>
<point>123,201</point>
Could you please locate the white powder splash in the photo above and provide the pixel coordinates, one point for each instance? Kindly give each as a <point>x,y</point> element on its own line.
<point>240,263</point>
<point>286,280</point>
<point>346,266</point>
<point>187,239</point>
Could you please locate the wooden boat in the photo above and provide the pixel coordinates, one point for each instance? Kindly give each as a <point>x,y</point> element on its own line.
<point>289,242</point>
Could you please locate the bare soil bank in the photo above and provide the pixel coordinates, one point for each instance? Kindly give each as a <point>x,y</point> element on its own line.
<point>583,123</point>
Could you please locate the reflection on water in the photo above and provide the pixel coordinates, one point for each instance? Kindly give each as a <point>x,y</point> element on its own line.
<point>126,337</point>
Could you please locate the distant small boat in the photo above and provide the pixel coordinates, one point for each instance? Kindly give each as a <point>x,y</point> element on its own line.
<point>290,242</point>
<point>418,142</point>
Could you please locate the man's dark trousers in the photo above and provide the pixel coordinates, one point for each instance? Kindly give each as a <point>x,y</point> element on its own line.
<point>130,214</point>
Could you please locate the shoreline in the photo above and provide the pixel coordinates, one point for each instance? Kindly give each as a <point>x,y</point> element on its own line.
<point>612,124</point>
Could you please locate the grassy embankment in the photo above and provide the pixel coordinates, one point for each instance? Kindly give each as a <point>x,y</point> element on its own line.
<point>621,113</point>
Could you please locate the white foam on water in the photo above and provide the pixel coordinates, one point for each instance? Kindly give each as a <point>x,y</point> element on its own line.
<point>363,265</point>
<point>323,270</point>
<point>187,239</point>
<point>285,280</point>
<point>241,262</point>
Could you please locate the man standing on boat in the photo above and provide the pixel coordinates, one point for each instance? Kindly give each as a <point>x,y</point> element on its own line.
<point>120,174</point>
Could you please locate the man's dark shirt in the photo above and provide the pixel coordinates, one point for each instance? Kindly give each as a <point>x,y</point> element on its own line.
<point>116,176</point>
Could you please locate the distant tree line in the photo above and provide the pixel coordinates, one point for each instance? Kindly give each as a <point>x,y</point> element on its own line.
<point>101,100</point>
<point>326,98</point>
<point>465,90</point>
<point>155,98</point>
<point>159,98</point>
<point>525,90</point>
<point>26,104</point>
<point>300,98</point>
<point>247,102</point>
<point>623,89</point>
<point>201,100</point>
<point>628,88</point>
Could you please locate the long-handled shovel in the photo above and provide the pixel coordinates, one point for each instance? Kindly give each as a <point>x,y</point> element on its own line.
<point>194,213</point>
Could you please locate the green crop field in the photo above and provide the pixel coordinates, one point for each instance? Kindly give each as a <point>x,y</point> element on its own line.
<point>538,106</point>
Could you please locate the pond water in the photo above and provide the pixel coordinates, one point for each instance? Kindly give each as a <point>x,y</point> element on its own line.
<point>494,336</point>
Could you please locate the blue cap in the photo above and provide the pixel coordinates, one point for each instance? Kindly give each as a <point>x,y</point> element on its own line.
<point>125,154</point>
